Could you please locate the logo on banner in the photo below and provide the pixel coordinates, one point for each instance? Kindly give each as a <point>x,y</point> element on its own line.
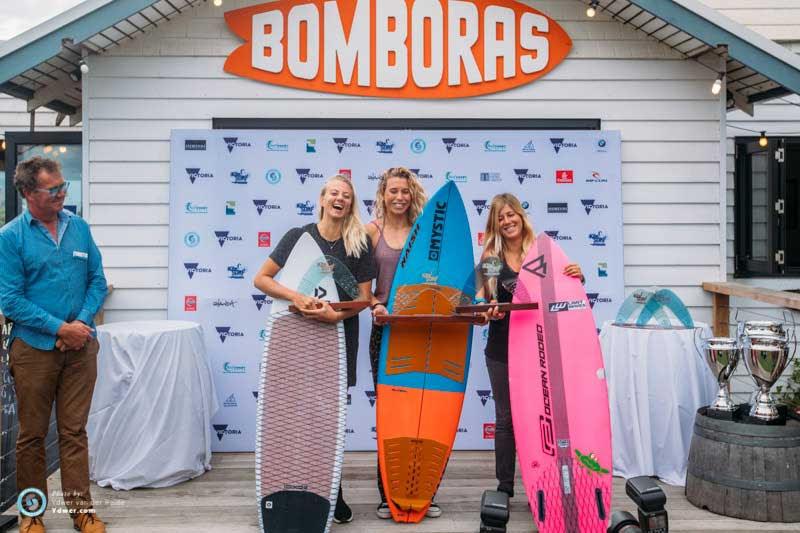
<point>273,146</point>
<point>599,238</point>
<point>370,205</point>
<point>273,176</point>
<point>305,174</point>
<point>565,176</point>
<point>230,401</point>
<point>226,303</point>
<point>437,233</point>
<point>529,148</point>
<point>490,176</point>
<point>596,177</point>
<point>407,58</point>
<point>559,144</point>
<point>557,207</point>
<point>418,146</point>
<point>229,368</point>
<point>590,205</point>
<point>264,239</point>
<point>341,143</point>
<point>601,145</point>
<point>225,236</point>
<point>194,145</point>
<point>557,236</point>
<point>370,397</point>
<point>420,174</point>
<point>489,146</point>
<point>195,268</point>
<point>595,298</point>
<point>452,176</point>
<point>346,172</point>
<point>558,307</point>
<point>222,430</point>
<point>190,303</point>
<point>385,147</point>
<point>311,146</point>
<point>260,300</point>
<point>263,205</point>
<point>236,271</point>
<point>488,430</point>
<point>262,336</point>
<point>233,142</point>
<point>306,208</point>
<point>230,207</point>
<point>480,206</point>
<point>240,177</point>
<point>523,174</point>
<point>481,238</point>
<point>451,142</point>
<point>374,176</point>
<point>484,396</point>
<point>192,209</point>
<point>602,270</point>
<point>224,332</point>
<point>196,173</point>
<point>191,239</point>
<point>526,206</point>
<point>255,394</point>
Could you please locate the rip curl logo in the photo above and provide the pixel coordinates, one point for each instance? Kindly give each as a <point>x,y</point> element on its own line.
<point>559,144</point>
<point>452,142</point>
<point>306,174</point>
<point>341,143</point>
<point>233,142</point>
<point>523,174</point>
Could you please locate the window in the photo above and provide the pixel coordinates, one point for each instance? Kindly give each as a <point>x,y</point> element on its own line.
<point>767,207</point>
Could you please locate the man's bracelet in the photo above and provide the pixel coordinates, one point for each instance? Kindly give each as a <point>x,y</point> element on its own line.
<point>373,306</point>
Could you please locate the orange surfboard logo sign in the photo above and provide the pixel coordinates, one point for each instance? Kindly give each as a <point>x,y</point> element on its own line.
<point>396,48</point>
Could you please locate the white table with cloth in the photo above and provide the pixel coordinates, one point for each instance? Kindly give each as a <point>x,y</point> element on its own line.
<point>150,420</point>
<point>656,383</point>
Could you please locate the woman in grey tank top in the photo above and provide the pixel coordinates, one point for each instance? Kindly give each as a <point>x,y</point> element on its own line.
<point>398,203</point>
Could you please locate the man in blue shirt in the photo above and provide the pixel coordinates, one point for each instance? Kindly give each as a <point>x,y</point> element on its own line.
<point>51,286</point>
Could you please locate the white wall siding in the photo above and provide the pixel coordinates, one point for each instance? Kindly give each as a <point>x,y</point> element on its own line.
<point>778,20</point>
<point>173,78</point>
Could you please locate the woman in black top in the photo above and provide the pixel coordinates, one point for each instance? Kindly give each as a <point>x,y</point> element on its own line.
<point>509,234</point>
<point>339,234</point>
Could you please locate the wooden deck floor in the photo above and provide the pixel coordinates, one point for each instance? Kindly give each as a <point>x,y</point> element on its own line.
<point>223,500</point>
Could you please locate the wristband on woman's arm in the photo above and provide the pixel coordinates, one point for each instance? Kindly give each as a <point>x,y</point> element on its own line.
<point>480,301</point>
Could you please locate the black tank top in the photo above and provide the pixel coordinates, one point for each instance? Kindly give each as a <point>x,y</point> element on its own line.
<point>497,343</point>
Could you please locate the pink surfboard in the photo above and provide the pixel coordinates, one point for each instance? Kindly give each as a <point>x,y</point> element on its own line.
<point>559,398</point>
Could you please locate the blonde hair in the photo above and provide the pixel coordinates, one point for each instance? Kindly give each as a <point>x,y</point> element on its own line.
<point>418,197</point>
<point>354,235</point>
<point>493,241</point>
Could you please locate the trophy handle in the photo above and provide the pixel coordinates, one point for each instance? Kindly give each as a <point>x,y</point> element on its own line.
<point>794,335</point>
<point>698,335</point>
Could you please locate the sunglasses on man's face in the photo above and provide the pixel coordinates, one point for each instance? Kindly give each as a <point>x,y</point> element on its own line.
<point>55,191</point>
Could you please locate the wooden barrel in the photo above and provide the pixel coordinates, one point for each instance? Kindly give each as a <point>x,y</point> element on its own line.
<point>744,470</point>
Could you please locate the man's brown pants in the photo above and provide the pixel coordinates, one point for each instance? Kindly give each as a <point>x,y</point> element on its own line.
<point>66,378</point>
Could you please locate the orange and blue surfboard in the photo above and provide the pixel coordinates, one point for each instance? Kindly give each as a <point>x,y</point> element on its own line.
<point>423,368</point>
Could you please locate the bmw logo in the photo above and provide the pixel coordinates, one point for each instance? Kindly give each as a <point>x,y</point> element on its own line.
<point>191,239</point>
<point>526,206</point>
<point>601,143</point>
<point>273,176</point>
<point>418,146</point>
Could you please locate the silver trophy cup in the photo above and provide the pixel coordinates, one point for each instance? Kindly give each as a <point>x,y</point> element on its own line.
<point>766,357</point>
<point>722,355</point>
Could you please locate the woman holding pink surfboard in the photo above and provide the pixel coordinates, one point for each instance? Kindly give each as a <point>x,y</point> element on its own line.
<point>398,202</point>
<point>509,234</point>
<point>344,241</point>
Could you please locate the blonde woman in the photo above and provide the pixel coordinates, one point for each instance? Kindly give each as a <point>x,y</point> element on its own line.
<point>509,235</point>
<point>340,234</point>
<point>398,202</point>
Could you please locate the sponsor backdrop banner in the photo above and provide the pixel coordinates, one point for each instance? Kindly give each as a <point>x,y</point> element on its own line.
<point>234,194</point>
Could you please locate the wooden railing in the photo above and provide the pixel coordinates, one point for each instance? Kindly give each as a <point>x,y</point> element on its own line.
<point>721,292</point>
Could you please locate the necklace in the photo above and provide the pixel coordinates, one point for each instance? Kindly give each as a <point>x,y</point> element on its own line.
<point>331,244</point>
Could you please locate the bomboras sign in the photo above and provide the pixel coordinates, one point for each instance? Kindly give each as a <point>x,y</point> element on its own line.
<point>396,48</point>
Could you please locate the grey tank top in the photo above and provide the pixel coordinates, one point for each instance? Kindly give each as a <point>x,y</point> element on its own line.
<point>386,259</point>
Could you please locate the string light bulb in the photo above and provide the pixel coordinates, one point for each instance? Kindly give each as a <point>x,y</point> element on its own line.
<point>717,86</point>
<point>84,67</point>
<point>763,141</point>
<point>217,3</point>
<point>591,11</point>
<point>2,144</point>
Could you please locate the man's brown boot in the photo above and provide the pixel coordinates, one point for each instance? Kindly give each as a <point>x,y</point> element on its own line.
<point>31,525</point>
<point>88,523</point>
